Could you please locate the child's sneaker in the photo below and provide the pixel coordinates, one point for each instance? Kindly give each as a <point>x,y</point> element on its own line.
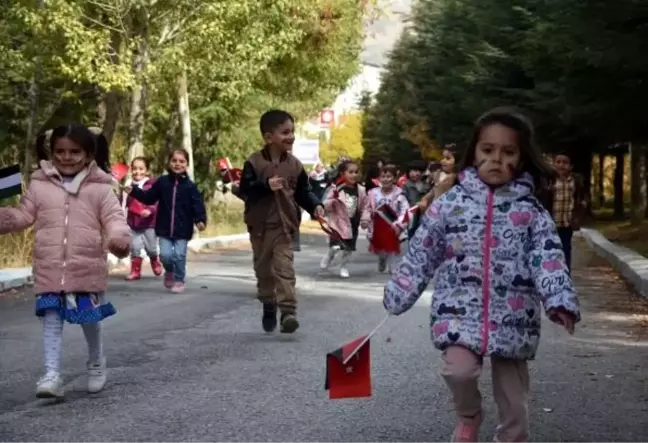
<point>50,386</point>
<point>326,260</point>
<point>382,264</point>
<point>269,318</point>
<point>289,323</point>
<point>97,376</point>
<point>177,288</point>
<point>168,280</point>
<point>344,272</point>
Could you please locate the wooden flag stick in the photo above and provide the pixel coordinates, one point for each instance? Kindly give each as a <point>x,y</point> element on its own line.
<point>367,338</point>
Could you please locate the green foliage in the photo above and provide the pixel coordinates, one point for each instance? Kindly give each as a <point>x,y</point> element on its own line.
<point>575,66</point>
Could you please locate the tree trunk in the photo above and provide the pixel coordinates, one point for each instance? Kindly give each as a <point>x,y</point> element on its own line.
<point>618,184</point>
<point>34,92</point>
<point>601,182</point>
<point>110,103</point>
<point>138,99</point>
<point>637,182</point>
<point>169,138</point>
<point>185,119</point>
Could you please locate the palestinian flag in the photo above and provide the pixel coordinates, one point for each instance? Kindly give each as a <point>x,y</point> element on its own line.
<point>348,370</point>
<point>10,181</point>
<point>384,238</point>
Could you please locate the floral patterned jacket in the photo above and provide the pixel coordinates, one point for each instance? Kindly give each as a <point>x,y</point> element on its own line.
<point>499,261</point>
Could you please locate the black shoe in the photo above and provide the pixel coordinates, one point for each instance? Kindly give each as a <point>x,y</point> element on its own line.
<point>269,319</point>
<point>289,323</point>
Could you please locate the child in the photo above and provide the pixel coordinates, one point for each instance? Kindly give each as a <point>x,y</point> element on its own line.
<point>444,178</point>
<point>498,258</point>
<point>345,204</point>
<point>387,208</point>
<point>141,220</point>
<point>273,179</point>
<point>416,189</point>
<point>567,202</point>
<point>71,203</point>
<point>180,206</point>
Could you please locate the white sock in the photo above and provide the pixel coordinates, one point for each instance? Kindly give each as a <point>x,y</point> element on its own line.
<point>92,333</point>
<point>52,341</point>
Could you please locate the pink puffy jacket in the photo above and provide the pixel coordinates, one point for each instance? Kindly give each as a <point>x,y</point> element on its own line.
<point>70,222</point>
<point>336,208</point>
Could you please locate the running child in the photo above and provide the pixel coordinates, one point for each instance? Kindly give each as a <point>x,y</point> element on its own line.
<point>75,212</point>
<point>387,211</point>
<point>499,264</point>
<point>180,207</point>
<point>416,190</point>
<point>344,204</point>
<point>141,220</point>
<point>444,178</point>
<point>272,181</point>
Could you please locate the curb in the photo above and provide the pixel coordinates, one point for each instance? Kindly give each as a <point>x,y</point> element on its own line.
<point>18,277</point>
<point>630,264</point>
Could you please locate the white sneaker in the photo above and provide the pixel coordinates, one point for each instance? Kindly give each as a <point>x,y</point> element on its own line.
<point>97,376</point>
<point>344,272</point>
<point>326,260</point>
<point>50,386</point>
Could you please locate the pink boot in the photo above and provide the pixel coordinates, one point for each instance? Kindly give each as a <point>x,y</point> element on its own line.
<point>177,288</point>
<point>156,266</point>
<point>136,269</point>
<point>168,280</point>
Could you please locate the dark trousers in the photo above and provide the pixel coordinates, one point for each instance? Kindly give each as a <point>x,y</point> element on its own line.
<point>565,235</point>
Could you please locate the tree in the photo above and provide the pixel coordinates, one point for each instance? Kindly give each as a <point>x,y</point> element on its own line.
<point>345,140</point>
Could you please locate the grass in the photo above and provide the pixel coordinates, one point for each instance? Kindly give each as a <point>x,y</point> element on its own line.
<point>623,232</point>
<point>16,248</point>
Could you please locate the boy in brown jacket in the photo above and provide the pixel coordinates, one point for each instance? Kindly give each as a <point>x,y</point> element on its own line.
<point>567,202</point>
<point>272,180</point>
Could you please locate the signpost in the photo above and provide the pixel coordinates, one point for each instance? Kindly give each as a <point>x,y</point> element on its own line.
<point>307,151</point>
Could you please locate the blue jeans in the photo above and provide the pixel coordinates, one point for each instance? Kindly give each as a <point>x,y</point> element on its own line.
<point>173,255</point>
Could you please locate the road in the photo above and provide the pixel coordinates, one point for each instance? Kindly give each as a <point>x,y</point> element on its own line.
<point>196,366</point>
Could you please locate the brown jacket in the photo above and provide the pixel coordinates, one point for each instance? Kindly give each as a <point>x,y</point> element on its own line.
<point>265,208</point>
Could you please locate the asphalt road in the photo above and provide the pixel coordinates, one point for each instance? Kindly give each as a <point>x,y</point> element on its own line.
<point>197,367</point>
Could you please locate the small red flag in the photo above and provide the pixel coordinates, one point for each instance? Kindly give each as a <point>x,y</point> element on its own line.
<point>401,181</point>
<point>224,163</point>
<point>375,181</point>
<point>348,370</point>
<point>119,171</point>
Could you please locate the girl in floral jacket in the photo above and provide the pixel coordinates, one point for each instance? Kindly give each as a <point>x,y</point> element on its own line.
<point>500,264</point>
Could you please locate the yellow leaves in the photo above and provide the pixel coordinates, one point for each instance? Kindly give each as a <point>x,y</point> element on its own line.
<point>345,141</point>
<point>419,135</point>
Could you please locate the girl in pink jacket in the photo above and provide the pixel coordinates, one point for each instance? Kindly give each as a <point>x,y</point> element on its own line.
<point>345,202</point>
<point>76,217</point>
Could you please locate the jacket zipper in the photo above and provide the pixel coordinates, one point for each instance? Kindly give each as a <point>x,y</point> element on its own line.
<point>66,222</point>
<point>486,278</point>
<point>173,203</point>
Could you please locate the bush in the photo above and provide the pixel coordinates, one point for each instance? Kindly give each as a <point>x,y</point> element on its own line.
<point>224,219</point>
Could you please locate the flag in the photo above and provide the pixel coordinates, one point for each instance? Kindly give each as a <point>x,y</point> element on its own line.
<point>375,181</point>
<point>384,238</point>
<point>10,181</point>
<point>401,181</point>
<point>224,163</point>
<point>348,368</point>
<point>119,171</point>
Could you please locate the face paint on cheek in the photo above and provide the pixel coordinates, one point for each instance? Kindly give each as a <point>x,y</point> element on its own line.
<point>511,168</point>
<point>480,164</point>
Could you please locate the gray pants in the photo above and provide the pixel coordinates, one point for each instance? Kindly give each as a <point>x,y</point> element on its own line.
<point>144,239</point>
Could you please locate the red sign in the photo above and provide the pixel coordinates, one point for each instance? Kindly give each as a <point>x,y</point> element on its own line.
<point>224,163</point>
<point>327,117</point>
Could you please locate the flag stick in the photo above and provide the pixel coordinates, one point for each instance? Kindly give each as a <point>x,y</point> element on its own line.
<point>367,338</point>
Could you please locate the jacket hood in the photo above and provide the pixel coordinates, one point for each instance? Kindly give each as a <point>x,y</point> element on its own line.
<point>90,174</point>
<point>518,188</point>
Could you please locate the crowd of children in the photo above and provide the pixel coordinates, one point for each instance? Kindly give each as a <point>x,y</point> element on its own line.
<point>499,258</point>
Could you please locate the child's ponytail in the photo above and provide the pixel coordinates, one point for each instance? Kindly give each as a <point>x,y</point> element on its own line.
<point>102,151</point>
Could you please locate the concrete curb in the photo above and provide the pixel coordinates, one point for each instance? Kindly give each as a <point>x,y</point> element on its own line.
<point>631,265</point>
<point>18,277</point>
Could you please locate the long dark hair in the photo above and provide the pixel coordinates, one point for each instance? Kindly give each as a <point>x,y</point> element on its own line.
<point>91,140</point>
<point>531,159</point>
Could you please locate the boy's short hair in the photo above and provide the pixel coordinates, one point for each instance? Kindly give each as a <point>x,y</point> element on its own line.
<point>417,165</point>
<point>272,119</point>
<point>563,154</point>
<point>389,169</point>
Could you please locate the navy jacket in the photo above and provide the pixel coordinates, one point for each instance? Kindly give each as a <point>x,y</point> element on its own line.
<point>180,205</point>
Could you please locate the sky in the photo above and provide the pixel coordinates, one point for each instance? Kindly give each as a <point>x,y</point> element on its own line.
<point>382,34</point>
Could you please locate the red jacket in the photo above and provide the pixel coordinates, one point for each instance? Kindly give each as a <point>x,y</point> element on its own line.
<point>134,210</point>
